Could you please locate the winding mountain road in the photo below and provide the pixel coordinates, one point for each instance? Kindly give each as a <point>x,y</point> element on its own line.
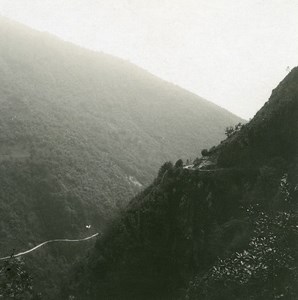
<point>48,242</point>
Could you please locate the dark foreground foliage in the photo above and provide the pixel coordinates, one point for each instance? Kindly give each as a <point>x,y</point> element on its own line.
<point>15,281</point>
<point>223,229</point>
<point>266,269</point>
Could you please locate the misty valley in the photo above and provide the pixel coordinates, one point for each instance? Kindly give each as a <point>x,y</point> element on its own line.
<point>116,184</point>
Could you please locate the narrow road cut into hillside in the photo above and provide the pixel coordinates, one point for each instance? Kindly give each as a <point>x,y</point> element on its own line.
<point>48,242</point>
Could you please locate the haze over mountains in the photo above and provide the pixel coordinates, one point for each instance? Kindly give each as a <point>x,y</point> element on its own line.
<point>81,132</point>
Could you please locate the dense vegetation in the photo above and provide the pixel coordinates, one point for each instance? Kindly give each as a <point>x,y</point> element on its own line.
<point>80,133</point>
<point>223,229</point>
<point>15,281</point>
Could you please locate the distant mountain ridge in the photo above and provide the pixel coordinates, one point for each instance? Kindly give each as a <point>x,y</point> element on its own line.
<point>81,132</point>
<point>100,74</point>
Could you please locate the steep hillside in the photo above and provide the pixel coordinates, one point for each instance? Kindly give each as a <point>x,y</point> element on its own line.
<point>81,132</point>
<point>272,133</point>
<point>223,228</point>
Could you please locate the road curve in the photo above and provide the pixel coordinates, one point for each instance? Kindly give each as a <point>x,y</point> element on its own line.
<point>48,242</point>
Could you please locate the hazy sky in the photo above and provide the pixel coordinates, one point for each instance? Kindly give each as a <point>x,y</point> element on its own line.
<point>231,52</point>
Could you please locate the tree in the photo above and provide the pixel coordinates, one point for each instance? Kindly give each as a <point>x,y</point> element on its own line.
<point>197,161</point>
<point>179,163</point>
<point>205,152</point>
<point>15,282</point>
<point>167,166</point>
<point>230,130</point>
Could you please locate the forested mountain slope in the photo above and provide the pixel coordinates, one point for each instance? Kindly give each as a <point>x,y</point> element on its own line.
<point>81,132</point>
<point>82,123</point>
<point>225,228</point>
